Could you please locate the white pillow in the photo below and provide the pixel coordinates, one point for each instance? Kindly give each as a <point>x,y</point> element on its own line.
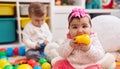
<point>107,28</point>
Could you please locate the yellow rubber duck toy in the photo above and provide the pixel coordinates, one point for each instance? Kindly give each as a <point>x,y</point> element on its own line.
<point>84,39</point>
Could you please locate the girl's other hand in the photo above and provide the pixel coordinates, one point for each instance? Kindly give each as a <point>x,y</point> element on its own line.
<point>76,45</point>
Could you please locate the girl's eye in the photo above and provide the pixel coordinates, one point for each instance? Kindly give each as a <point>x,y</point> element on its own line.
<point>74,27</point>
<point>85,26</point>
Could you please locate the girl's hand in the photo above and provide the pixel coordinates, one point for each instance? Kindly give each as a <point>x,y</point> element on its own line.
<point>76,45</point>
<point>84,47</point>
<point>45,42</point>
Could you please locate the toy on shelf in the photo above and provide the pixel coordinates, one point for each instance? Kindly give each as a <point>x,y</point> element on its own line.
<point>93,4</point>
<point>84,39</point>
<point>58,2</point>
<point>108,4</point>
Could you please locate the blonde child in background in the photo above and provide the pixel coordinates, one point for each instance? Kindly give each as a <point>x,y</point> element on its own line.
<point>82,56</point>
<point>36,32</point>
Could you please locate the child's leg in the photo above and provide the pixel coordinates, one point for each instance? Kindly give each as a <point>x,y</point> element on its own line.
<point>108,61</point>
<point>33,54</point>
<point>51,51</point>
<point>62,64</point>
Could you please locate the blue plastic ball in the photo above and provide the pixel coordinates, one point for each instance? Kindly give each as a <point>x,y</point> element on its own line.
<point>21,51</point>
<point>4,57</point>
<point>9,52</point>
<point>37,67</point>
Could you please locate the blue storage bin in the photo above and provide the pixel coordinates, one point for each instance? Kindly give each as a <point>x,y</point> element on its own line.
<point>7,30</point>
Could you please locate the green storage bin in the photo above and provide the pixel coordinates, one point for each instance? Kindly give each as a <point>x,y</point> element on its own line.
<point>7,30</point>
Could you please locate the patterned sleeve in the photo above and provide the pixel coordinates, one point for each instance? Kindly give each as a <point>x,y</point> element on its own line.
<point>96,49</point>
<point>26,38</point>
<point>65,49</point>
<point>49,38</point>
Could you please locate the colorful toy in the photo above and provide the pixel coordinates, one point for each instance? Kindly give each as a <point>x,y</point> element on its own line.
<point>2,49</point>
<point>42,54</point>
<point>21,51</point>
<point>5,57</point>
<point>42,60</point>
<point>16,66</point>
<point>37,67</point>
<point>42,44</point>
<point>20,61</point>
<point>3,53</point>
<point>8,67</point>
<point>93,4</point>
<point>107,4</point>
<point>84,39</point>
<point>24,66</point>
<point>15,51</point>
<point>3,63</point>
<point>33,63</point>
<point>9,52</point>
<point>46,66</point>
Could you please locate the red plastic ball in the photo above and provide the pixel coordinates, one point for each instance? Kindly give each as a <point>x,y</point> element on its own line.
<point>31,61</point>
<point>15,51</point>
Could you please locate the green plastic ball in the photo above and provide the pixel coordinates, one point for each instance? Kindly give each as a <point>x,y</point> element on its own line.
<point>42,60</point>
<point>8,67</point>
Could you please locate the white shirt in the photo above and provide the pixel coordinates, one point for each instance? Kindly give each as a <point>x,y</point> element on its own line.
<point>79,59</point>
<point>33,35</point>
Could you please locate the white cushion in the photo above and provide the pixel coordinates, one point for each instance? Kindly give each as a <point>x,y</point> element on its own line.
<point>107,28</point>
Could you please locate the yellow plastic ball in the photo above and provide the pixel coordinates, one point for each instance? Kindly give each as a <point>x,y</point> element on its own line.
<point>25,66</point>
<point>46,66</point>
<point>84,39</point>
<point>3,63</point>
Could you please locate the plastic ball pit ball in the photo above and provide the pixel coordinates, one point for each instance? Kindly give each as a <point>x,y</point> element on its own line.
<point>9,52</point>
<point>46,66</point>
<point>8,67</point>
<point>37,67</point>
<point>42,60</point>
<point>25,66</point>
